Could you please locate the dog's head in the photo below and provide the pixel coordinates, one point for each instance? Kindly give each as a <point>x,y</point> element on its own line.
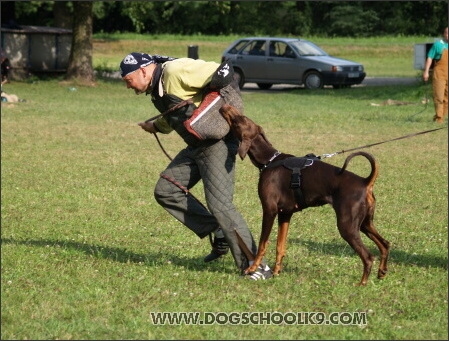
<point>243,128</point>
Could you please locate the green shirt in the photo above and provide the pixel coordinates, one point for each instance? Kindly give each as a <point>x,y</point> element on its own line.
<point>436,51</point>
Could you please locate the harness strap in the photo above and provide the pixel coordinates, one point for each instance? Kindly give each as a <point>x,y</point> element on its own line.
<point>295,184</point>
<point>295,180</point>
<point>295,164</point>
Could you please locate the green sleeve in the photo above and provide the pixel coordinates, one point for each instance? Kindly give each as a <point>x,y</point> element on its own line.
<point>162,125</point>
<point>436,50</point>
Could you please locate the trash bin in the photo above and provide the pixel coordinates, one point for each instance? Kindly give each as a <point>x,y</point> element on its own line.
<point>192,51</point>
<point>421,51</point>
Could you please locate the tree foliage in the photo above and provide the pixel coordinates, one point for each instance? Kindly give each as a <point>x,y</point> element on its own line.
<point>300,18</point>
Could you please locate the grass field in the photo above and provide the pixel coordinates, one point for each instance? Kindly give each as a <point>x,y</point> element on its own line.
<point>87,253</point>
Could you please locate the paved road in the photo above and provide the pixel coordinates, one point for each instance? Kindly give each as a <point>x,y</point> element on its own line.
<point>368,81</point>
<point>376,81</point>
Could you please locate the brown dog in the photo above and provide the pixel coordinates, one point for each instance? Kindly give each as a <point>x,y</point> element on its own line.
<point>350,195</point>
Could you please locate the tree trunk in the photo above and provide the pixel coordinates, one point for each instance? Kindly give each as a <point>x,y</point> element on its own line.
<point>62,15</point>
<point>80,61</point>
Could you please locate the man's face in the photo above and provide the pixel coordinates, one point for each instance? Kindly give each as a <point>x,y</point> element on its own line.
<point>138,80</point>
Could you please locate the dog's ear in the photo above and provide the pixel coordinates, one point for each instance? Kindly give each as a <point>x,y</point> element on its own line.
<point>243,148</point>
<point>262,133</point>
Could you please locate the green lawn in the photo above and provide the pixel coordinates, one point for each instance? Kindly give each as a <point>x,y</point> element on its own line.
<point>87,253</point>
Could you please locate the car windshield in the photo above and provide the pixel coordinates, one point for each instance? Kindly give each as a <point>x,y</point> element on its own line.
<point>306,48</point>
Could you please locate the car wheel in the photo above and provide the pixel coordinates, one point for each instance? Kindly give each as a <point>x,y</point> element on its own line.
<point>313,80</point>
<point>238,76</point>
<point>264,86</point>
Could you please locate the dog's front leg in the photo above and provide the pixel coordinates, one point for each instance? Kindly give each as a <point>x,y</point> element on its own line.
<point>267,225</point>
<point>281,243</point>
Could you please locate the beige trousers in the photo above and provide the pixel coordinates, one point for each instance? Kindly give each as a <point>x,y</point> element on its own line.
<point>439,85</point>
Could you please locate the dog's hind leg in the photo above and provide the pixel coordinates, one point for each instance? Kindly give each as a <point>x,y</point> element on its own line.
<point>349,230</point>
<point>284,222</point>
<point>355,241</point>
<point>370,231</point>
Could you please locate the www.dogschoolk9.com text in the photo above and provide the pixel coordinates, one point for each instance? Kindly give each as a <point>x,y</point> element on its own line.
<point>259,318</point>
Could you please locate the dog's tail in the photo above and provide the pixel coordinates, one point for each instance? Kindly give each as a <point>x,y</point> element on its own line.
<point>374,166</point>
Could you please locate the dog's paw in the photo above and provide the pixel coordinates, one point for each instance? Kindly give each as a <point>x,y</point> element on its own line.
<point>250,269</point>
<point>260,273</point>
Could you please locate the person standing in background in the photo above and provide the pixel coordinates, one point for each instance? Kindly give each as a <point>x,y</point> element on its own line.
<point>438,54</point>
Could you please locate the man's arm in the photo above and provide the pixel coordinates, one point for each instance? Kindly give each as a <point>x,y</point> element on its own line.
<point>425,74</point>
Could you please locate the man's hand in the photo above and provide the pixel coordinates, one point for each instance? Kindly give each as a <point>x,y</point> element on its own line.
<point>148,126</point>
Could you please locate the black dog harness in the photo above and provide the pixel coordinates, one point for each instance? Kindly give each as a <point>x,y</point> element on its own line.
<point>295,164</point>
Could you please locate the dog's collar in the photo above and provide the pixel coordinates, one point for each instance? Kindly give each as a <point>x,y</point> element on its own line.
<point>275,155</point>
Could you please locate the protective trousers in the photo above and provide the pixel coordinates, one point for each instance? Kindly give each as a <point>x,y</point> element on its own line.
<point>214,163</point>
<point>439,85</point>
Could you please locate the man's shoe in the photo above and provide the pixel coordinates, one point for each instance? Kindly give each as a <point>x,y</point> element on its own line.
<point>261,273</point>
<point>220,247</point>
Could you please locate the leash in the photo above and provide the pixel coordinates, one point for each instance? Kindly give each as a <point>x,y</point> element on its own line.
<point>426,102</point>
<point>398,138</point>
<point>163,149</point>
<point>377,143</point>
<point>173,108</point>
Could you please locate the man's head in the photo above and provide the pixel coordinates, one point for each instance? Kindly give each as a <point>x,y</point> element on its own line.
<point>136,70</point>
<point>135,61</point>
<point>445,34</point>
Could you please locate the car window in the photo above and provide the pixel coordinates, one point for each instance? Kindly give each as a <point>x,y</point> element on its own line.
<point>288,52</point>
<point>237,47</point>
<point>273,49</point>
<point>280,49</point>
<point>305,48</point>
<point>255,48</point>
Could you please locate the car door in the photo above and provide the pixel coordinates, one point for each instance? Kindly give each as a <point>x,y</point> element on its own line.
<point>281,63</point>
<point>252,60</point>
